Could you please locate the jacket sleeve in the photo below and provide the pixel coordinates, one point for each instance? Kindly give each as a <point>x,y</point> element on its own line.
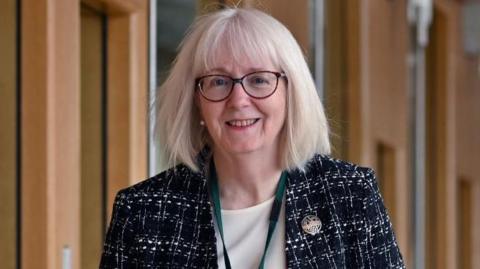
<point>118,241</point>
<point>381,247</point>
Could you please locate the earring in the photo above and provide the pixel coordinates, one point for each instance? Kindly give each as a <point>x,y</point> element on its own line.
<point>202,123</point>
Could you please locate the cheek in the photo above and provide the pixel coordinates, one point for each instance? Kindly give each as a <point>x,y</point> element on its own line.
<point>281,115</point>
<point>281,105</point>
<point>203,108</point>
<point>209,113</point>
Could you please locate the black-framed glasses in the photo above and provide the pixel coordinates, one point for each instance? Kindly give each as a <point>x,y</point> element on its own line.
<point>258,84</point>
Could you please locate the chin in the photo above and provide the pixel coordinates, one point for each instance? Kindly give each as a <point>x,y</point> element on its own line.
<point>245,150</point>
<point>242,148</point>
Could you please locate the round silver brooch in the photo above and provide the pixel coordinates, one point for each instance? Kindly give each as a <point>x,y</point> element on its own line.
<point>311,224</point>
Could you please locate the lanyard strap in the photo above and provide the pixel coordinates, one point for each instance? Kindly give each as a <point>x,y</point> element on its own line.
<point>277,204</point>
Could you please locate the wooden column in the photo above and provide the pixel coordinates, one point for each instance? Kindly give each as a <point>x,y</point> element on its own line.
<point>50,133</point>
<point>357,81</point>
<point>92,136</point>
<point>467,135</point>
<point>127,96</point>
<point>441,160</point>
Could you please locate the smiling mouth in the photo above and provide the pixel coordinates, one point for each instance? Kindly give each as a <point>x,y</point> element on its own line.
<point>242,123</point>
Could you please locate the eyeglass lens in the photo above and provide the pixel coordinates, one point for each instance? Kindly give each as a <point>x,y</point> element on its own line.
<point>257,84</point>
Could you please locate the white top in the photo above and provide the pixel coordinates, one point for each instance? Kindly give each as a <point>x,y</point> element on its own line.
<point>245,232</point>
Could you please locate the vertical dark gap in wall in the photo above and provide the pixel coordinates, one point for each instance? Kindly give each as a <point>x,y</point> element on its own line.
<point>464,221</point>
<point>381,167</point>
<point>104,105</point>
<point>344,102</point>
<point>413,147</point>
<point>431,152</point>
<point>386,171</point>
<point>18,131</point>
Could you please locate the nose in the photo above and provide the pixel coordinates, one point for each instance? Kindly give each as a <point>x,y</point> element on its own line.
<point>238,96</point>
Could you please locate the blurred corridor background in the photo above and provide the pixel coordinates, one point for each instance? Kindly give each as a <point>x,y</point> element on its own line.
<point>400,80</point>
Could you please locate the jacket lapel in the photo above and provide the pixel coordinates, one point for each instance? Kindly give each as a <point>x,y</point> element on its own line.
<point>307,196</point>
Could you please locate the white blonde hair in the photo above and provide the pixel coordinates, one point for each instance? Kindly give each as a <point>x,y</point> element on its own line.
<point>251,34</point>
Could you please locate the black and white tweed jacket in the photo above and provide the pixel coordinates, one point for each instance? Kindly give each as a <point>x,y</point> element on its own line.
<point>166,221</point>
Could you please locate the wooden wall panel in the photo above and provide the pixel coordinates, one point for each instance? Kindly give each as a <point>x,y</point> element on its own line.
<point>336,77</point>
<point>8,135</point>
<point>139,93</point>
<point>92,142</point>
<point>385,51</point>
<point>467,129</point>
<point>467,95</point>
<point>35,241</point>
<point>63,116</point>
<point>50,133</point>
<point>127,100</point>
<point>358,128</point>
<point>440,152</point>
<point>375,101</point>
<point>51,121</point>
<point>297,22</point>
<point>119,83</point>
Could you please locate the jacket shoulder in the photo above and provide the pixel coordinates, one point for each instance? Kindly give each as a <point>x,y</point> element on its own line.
<point>337,176</point>
<point>328,166</point>
<point>179,180</point>
<point>150,217</point>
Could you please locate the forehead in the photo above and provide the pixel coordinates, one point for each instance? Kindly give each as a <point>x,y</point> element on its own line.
<point>232,48</point>
<point>223,62</point>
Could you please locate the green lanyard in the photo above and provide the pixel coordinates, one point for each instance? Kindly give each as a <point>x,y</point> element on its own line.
<point>277,204</point>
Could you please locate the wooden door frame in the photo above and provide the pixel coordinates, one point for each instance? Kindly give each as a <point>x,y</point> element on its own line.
<point>50,79</point>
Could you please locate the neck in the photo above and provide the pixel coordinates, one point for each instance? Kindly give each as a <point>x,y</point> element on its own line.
<point>246,179</point>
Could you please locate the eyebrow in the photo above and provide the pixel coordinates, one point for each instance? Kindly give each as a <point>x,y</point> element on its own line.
<point>221,70</point>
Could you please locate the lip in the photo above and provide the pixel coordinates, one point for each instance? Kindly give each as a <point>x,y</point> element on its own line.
<point>241,124</point>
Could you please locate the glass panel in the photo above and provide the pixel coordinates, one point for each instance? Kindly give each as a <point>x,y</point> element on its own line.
<point>92,133</point>
<point>317,41</point>
<point>172,21</point>
<point>8,134</point>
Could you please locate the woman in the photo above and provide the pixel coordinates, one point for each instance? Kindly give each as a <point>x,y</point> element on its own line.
<point>251,185</point>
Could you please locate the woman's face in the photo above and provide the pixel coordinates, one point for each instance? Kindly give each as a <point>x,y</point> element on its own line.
<point>240,123</point>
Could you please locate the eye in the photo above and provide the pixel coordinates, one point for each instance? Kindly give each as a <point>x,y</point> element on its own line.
<point>260,79</point>
<point>218,82</point>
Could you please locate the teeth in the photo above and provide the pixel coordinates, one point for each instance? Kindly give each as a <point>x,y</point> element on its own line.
<point>241,123</point>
